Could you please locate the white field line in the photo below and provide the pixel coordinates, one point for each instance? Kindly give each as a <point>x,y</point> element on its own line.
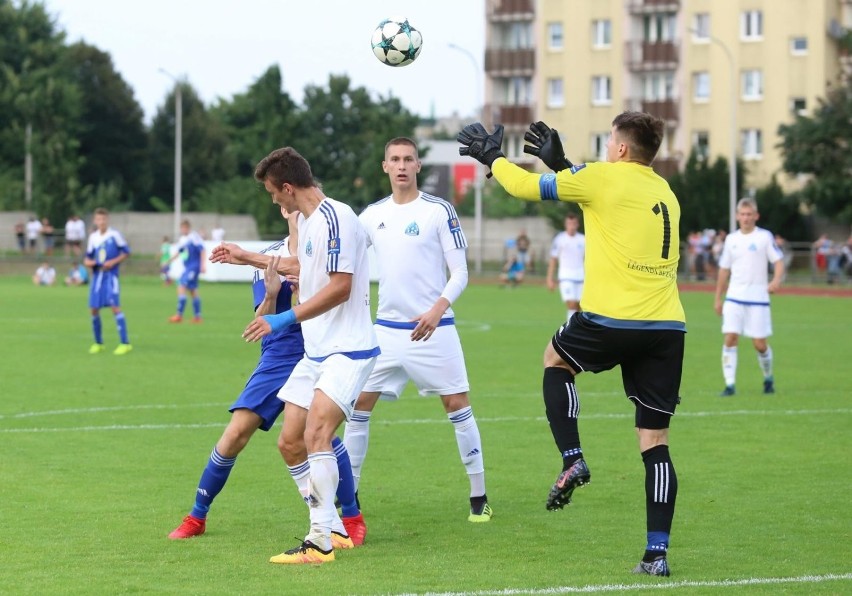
<point>511,419</point>
<point>664,585</point>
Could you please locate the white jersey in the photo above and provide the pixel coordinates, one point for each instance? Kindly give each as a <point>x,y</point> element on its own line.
<point>332,241</point>
<point>410,241</point>
<point>748,257</point>
<point>571,251</point>
<point>75,230</point>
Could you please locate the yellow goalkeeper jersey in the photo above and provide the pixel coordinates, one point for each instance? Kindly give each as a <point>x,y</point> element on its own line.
<point>632,221</point>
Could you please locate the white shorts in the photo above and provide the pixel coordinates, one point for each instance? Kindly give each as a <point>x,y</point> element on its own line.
<point>436,365</point>
<point>571,291</point>
<point>339,377</point>
<point>749,320</point>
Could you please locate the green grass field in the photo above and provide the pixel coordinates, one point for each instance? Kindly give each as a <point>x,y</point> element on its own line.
<point>101,456</point>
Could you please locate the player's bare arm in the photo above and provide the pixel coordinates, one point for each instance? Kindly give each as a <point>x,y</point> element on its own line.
<point>721,286</point>
<point>334,294</point>
<point>777,277</point>
<point>115,262</point>
<point>428,321</point>
<point>551,270</point>
<point>272,283</point>
<point>232,254</point>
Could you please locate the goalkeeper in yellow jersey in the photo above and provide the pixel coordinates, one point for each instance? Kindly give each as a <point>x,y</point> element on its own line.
<point>631,313</point>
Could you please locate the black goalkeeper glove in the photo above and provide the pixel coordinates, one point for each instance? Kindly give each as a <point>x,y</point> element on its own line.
<point>480,145</point>
<point>545,145</point>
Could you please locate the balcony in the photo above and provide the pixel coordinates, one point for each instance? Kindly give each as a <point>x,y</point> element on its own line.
<point>510,115</point>
<point>646,55</point>
<point>667,109</point>
<point>511,10</point>
<point>500,62</point>
<point>637,7</point>
<point>666,166</point>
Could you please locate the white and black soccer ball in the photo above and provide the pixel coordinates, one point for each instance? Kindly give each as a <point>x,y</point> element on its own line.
<point>396,43</point>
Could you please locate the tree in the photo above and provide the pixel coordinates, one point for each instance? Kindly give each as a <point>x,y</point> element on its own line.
<point>204,150</point>
<point>818,146</point>
<point>112,136</point>
<point>702,189</point>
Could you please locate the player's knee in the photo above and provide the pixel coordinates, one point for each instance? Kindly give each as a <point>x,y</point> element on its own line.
<point>455,402</point>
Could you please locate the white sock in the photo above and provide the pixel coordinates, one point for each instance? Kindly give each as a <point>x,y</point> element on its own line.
<point>324,479</point>
<point>765,362</point>
<point>301,474</point>
<point>470,448</point>
<point>356,437</point>
<point>729,364</point>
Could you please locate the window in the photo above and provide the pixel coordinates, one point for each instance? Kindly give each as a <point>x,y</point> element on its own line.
<point>514,147</point>
<point>519,91</point>
<point>752,85</point>
<point>601,91</point>
<point>701,86</point>
<point>751,25</point>
<point>701,144</point>
<point>659,27</point>
<point>658,86</point>
<point>599,140</point>
<point>799,105</point>
<point>701,26</point>
<point>799,46</point>
<point>555,93</point>
<point>602,33</point>
<point>752,143</point>
<point>519,36</point>
<point>555,36</point>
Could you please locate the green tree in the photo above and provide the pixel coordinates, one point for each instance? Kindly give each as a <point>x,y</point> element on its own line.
<point>112,136</point>
<point>781,213</point>
<point>818,146</point>
<point>702,189</point>
<point>205,156</point>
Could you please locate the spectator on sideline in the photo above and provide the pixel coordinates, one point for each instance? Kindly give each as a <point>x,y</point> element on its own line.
<point>45,275</point>
<point>48,236</point>
<point>77,275</point>
<point>75,234</point>
<point>20,235</point>
<point>33,232</point>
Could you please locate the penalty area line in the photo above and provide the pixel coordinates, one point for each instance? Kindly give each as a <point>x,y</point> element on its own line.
<point>591,589</point>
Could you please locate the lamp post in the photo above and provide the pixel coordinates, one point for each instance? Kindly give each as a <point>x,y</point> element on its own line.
<point>732,168</point>
<point>178,151</point>
<point>478,177</point>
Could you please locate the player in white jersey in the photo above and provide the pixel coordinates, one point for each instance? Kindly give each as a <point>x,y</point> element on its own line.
<point>340,345</point>
<point>416,238</point>
<point>744,263</point>
<point>568,252</point>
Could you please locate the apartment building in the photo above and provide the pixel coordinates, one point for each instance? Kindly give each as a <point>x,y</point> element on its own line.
<point>723,74</point>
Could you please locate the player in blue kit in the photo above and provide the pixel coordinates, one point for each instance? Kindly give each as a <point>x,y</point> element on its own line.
<point>191,248</point>
<point>258,406</point>
<point>105,251</point>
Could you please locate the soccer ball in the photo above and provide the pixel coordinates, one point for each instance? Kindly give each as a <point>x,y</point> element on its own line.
<point>396,43</point>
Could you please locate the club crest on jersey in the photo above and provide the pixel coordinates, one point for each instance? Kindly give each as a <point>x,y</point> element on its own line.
<point>412,229</point>
<point>334,246</point>
<point>454,224</point>
<point>309,248</point>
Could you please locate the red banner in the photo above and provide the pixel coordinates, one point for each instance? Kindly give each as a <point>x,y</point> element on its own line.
<point>464,176</point>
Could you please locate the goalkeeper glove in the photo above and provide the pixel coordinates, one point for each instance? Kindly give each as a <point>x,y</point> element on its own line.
<point>480,145</point>
<point>545,144</point>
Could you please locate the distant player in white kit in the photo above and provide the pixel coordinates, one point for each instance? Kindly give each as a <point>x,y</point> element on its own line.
<point>417,237</point>
<point>745,261</point>
<point>568,252</point>
<point>340,345</point>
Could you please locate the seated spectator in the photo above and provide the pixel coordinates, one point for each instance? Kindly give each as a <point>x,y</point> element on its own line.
<point>44,275</point>
<point>78,275</point>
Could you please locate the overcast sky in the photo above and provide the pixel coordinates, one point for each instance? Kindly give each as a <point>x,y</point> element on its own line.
<point>222,46</point>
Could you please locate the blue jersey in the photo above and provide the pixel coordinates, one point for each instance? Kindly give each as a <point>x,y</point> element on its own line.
<point>191,248</point>
<point>101,248</point>
<point>288,342</point>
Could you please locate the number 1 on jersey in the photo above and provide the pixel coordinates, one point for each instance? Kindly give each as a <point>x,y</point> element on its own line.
<point>667,227</point>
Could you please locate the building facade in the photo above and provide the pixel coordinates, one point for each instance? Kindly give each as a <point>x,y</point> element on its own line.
<point>723,74</point>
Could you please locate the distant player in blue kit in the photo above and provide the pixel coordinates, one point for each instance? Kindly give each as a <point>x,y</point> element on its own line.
<point>191,249</point>
<point>258,406</point>
<point>105,251</point>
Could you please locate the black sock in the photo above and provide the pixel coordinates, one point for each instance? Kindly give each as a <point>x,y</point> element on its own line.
<point>478,502</point>
<point>562,407</point>
<point>660,496</point>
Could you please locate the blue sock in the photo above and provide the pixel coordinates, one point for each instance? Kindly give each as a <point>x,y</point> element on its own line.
<point>658,542</point>
<point>196,306</point>
<point>212,481</point>
<point>346,486</point>
<point>122,327</point>
<point>181,305</point>
<point>96,329</point>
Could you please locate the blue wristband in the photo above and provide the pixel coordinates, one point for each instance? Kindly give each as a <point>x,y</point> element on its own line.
<point>281,320</point>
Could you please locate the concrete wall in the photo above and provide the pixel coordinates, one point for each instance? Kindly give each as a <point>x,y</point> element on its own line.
<point>143,231</point>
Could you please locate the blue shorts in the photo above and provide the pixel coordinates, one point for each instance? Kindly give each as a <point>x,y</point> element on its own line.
<point>104,291</point>
<point>189,279</point>
<point>261,391</point>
